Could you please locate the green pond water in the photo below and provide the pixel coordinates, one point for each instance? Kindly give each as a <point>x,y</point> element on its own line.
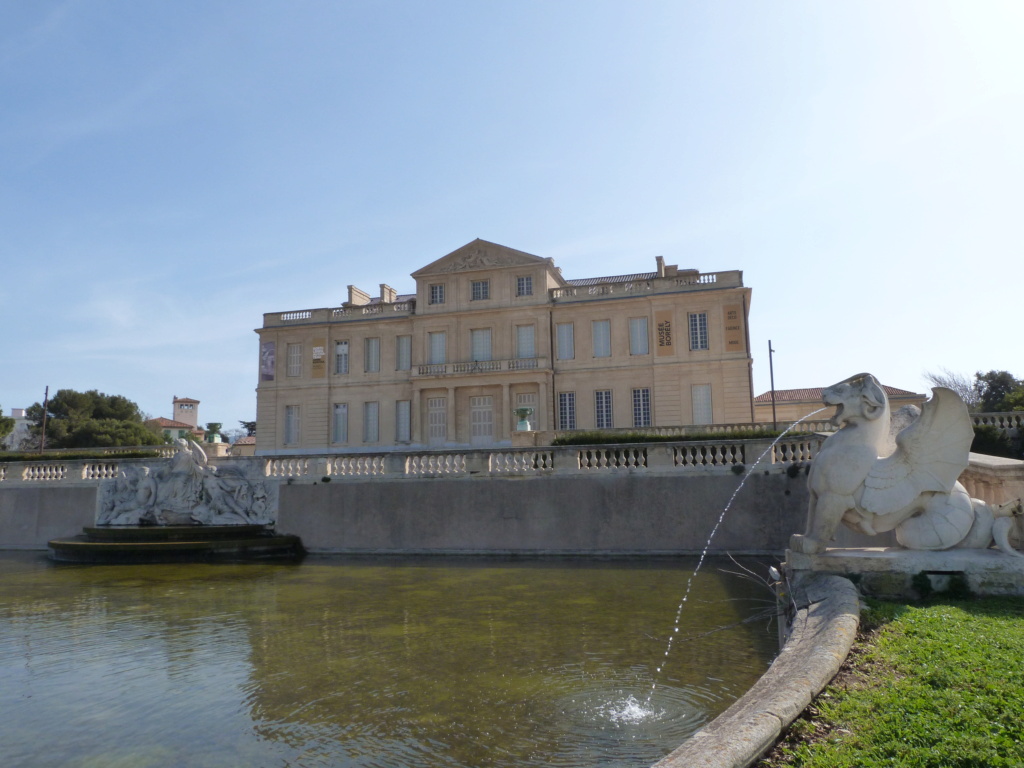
<point>365,662</point>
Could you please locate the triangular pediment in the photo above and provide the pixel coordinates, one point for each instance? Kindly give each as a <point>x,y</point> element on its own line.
<point>480,254</point>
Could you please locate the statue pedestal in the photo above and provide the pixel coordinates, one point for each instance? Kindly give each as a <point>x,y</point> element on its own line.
<point>889,572</point>
<point>176,543</point>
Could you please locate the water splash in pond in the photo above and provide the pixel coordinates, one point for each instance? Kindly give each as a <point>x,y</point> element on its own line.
<point>363,663</point>
<point>629,710</point>
<point>674,634</point>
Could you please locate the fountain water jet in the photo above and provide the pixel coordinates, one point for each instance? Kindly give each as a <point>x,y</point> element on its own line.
<point>707,546</point>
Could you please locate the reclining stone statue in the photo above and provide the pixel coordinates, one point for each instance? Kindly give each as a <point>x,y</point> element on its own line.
<point>912,491</point>
<point>186,490</point>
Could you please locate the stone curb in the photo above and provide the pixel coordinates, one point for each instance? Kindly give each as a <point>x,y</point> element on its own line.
<point>820,639</point>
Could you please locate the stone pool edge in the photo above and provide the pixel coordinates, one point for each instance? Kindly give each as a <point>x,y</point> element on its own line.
<point>820,638</point>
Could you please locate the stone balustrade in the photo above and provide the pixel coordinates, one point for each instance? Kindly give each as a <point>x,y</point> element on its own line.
<point>668,457</point>
<point>480,366</point>
<point>338,314</point>
<point>994,479</point>
<point>1010,424</point>
<point>595,289</point>
<point>800,427</point>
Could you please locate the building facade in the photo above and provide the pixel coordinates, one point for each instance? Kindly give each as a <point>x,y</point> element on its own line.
<point>495,337</point>
<point>19,433</point>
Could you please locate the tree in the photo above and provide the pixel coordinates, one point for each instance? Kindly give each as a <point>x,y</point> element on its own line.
<point>959,383</point>
<point>6,424</point>
<point>249,427</point>
<point>999,391</point>
<point>89,420</point>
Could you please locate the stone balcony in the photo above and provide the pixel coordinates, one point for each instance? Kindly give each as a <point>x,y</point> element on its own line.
<point>480,367</point>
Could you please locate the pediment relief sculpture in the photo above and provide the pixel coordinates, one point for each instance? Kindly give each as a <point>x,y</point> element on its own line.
<point>480,254</point>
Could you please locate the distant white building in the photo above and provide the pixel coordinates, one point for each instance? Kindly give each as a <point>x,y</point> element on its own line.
<point>20,431</point>
<point>185,419</point>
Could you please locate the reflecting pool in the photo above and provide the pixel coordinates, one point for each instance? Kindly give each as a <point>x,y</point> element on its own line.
<point>368,662</point>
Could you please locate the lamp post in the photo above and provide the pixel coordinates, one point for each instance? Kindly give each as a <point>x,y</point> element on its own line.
<point>771,372</point>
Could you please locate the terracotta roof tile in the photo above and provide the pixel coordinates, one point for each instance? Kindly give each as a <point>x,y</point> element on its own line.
<point>813,395</point>
<point>163,423</point>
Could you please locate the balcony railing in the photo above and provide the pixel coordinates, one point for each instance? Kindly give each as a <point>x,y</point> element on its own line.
<point>480,366</point>
<point>339,314</point>
<point>683,282</point>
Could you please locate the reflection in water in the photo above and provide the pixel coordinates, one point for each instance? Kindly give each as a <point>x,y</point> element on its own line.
<point>411,662</point>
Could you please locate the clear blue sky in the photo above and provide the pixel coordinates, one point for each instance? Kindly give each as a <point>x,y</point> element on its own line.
<point>170,171</point>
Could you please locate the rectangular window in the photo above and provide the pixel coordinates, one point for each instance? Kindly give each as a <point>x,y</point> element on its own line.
<point>524,285</point>
<point>403,353</point>
<point>294,360</point>
<point>291,425</point>
<point>525,347</point>
<point>341,357</point>
<point>437,293</point>
<point>438,344</point>
<point>339,423</point>
<point>481,420</point>
<point>437,420</point>
<point>699,330</point>
<point>642,407</point>
<point>371,422</point>
<point>403,421</point>
<point>526,400</point>
<point>564,339</point>
<point>480,344</point>
<point>700,395</point>
<point>567,410</point>
<point>603,409</point>
<point>480,290</point>
<point>371,355</point>
<point>602,330</point>
<point>639,343</point>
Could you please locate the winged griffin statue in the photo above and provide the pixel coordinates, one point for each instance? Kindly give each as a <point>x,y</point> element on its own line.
<point>914,490</point>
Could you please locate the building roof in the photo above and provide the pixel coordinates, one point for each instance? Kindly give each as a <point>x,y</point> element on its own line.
<point>163,423</point>
<point>247,440</point>
<point>184,400</point>
<point>813,395</point>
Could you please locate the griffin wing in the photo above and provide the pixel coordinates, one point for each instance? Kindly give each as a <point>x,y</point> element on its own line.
<point>930,455</point>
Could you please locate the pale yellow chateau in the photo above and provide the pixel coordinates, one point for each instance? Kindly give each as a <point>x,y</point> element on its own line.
<point>495,340</point>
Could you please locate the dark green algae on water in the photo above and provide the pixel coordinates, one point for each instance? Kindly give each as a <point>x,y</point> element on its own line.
<point>371,662</point>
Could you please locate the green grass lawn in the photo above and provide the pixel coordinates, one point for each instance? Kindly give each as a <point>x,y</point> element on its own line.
<point>939,683</point>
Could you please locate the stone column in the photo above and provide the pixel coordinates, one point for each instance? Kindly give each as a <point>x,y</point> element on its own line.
<point>451,437</point>
<point>544,419</point>
<point>415,419</point>
<point>506,413</point>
